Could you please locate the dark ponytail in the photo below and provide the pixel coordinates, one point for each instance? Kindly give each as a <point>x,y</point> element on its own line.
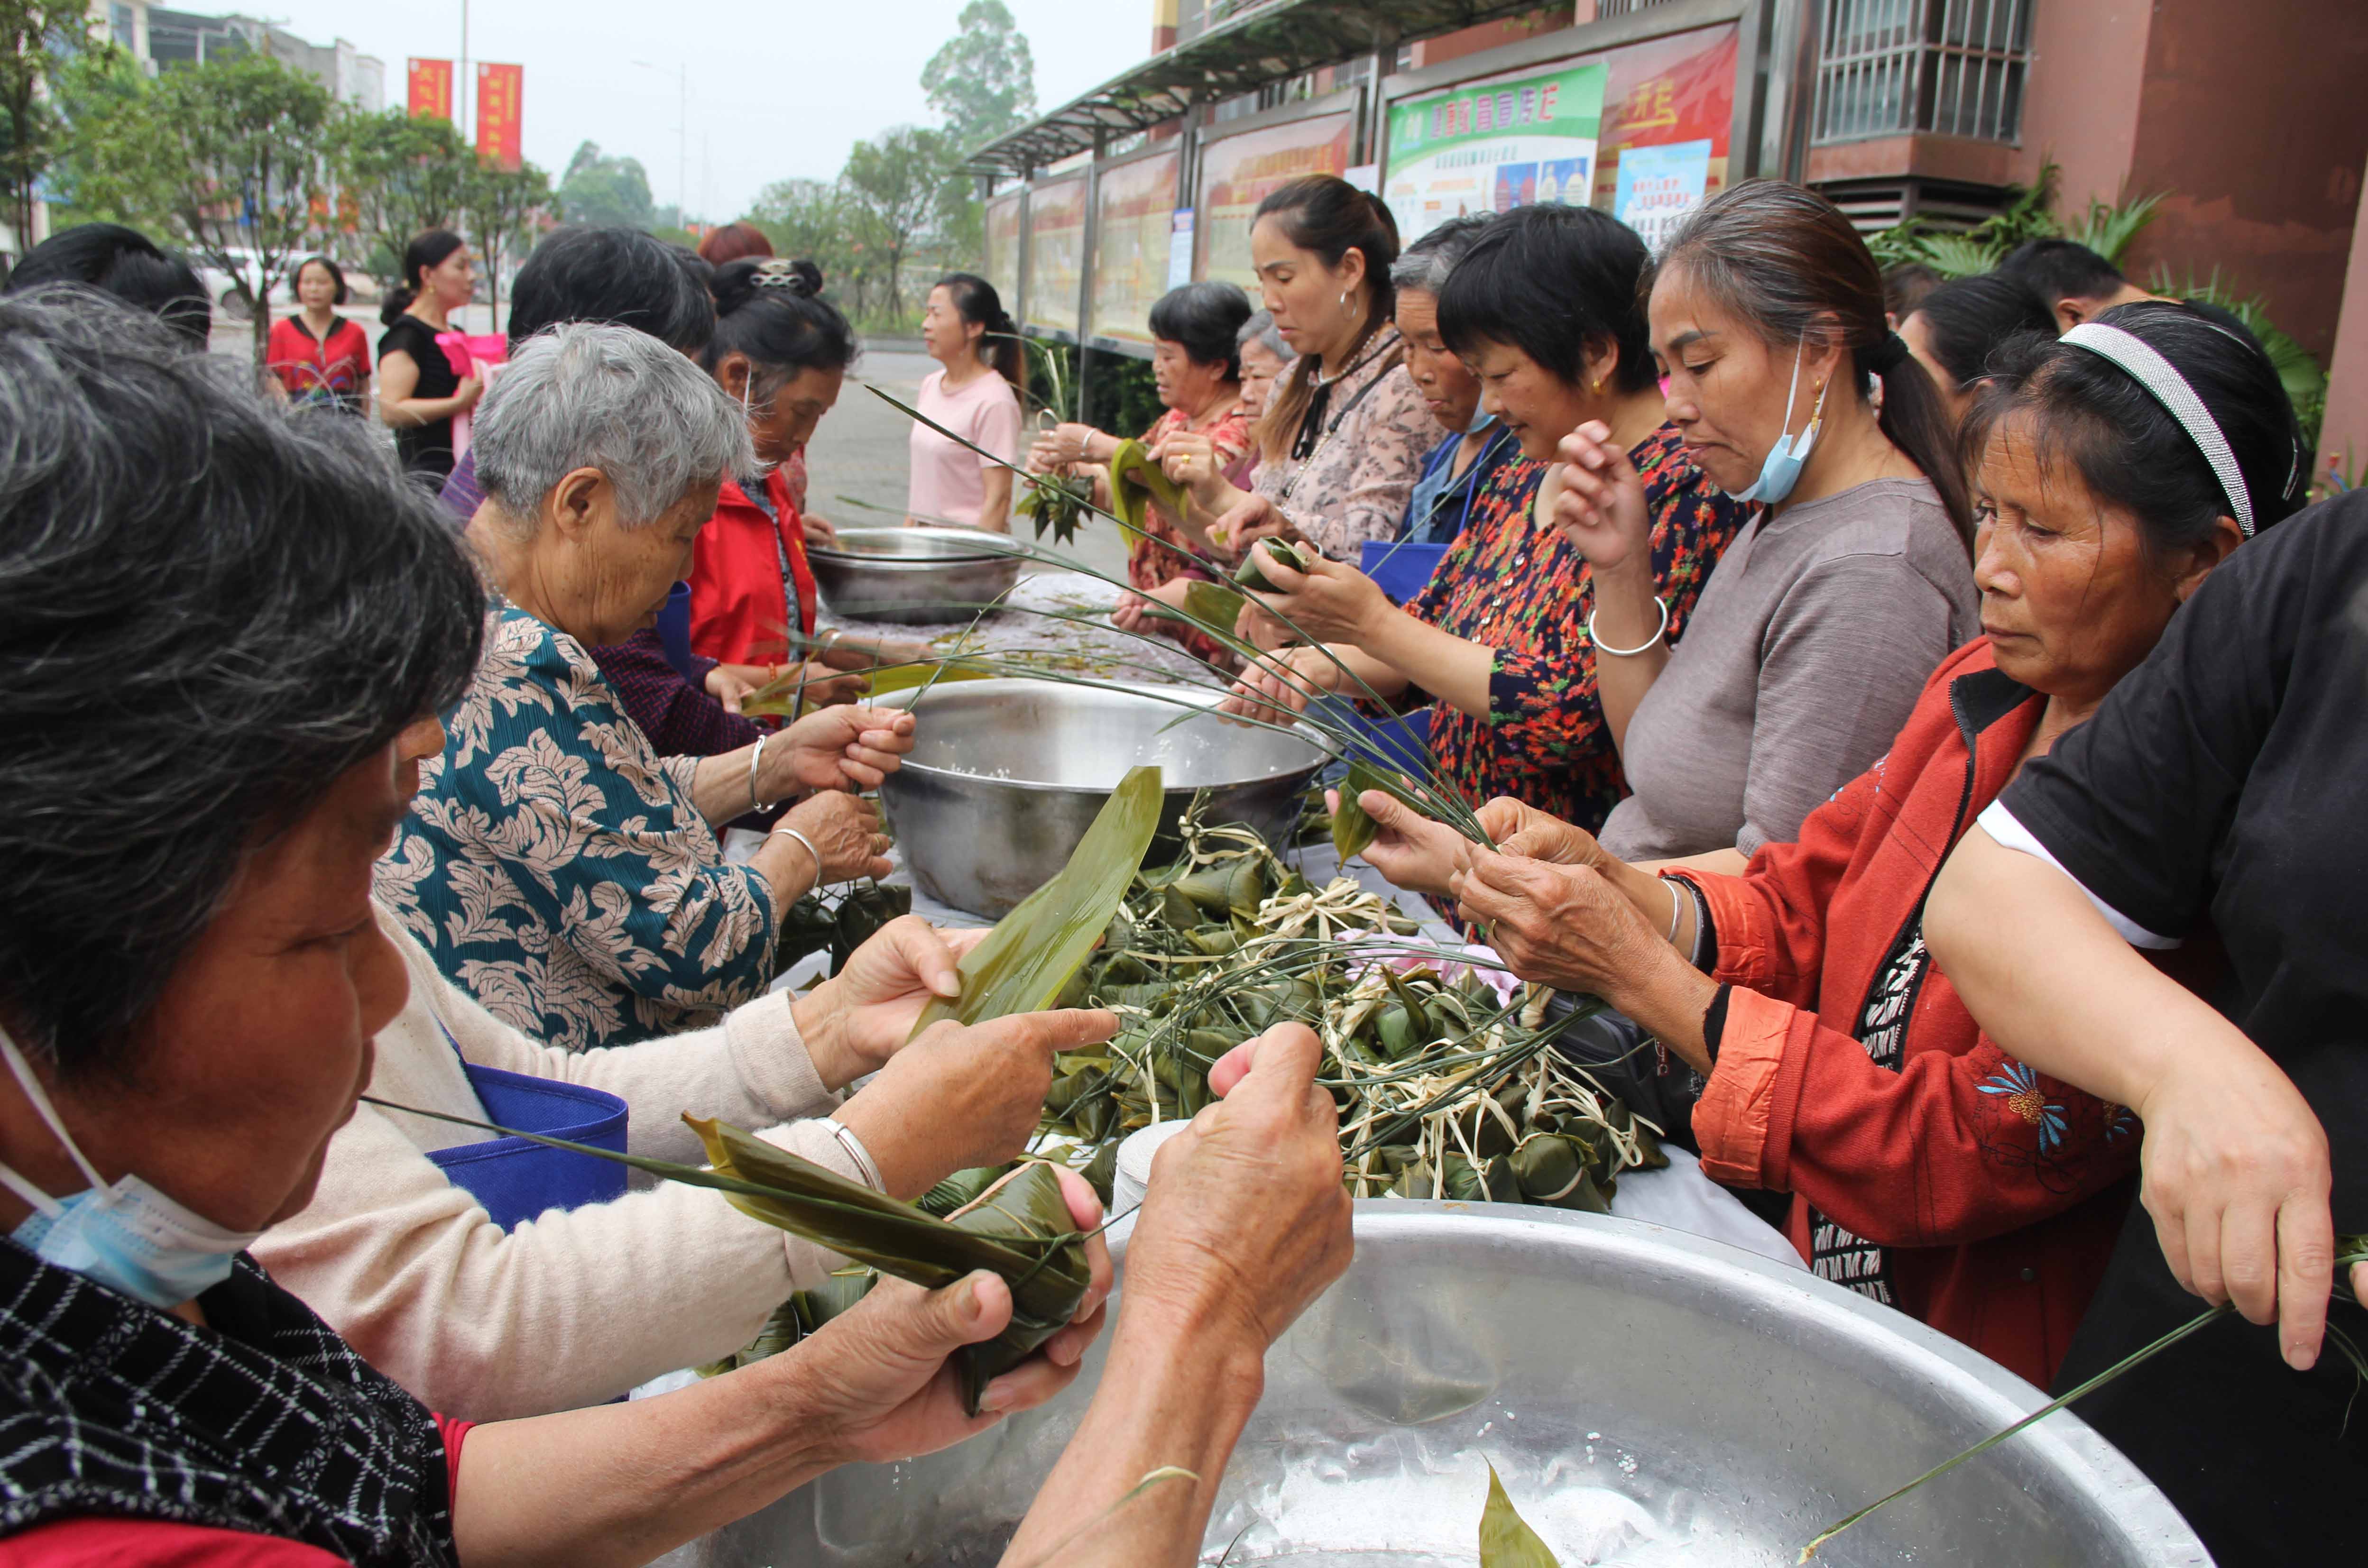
<point>1327,215</point>
<point>772,314</point>
<point>1787,262</point>
<point>425,253</point>
<point>978,304</point>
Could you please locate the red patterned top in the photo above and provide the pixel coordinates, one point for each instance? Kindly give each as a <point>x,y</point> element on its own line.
<point>1166,553</point>
<point>1518,587</point>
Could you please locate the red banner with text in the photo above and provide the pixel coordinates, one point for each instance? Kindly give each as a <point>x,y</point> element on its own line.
<point>431,89</point>
<point>499,138</point>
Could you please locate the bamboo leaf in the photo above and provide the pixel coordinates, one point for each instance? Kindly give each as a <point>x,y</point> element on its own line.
<point>1505,1539</point>
<point>1033,950</point>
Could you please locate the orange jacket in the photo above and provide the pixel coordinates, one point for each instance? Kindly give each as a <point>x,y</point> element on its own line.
<point>1998,1191</point>
<point>739,607</point>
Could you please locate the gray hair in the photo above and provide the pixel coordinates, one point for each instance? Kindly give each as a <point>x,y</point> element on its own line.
<point>211,608</point>
<point>581,395</point>
<point>1260,329</point>
<point>1423,266</point>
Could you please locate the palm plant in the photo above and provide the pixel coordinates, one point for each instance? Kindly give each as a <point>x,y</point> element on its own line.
<point>2302,376</point>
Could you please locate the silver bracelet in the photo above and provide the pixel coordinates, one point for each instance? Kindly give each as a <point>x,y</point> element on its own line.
<point>1677,906</point>
<point>855,1151</point>
<point>757,761</point>
<point>785,831</point>
<point>1644,647</point>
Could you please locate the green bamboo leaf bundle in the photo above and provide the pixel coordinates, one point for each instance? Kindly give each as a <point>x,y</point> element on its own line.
<point>1029,957</point>
<point>1505,1539</point>
<point>1136,482</point>
<point>1019,1229</point>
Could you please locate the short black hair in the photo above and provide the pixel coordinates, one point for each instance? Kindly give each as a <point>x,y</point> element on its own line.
<point>1967,320</point>
<point>1205,319</point>
<point>2062,269</point>
<point>613,276</point>
<point>212,603</point>
<point>1553,281</point>
<point>1906,285</point>
<point>127,264</point>
<point>2085,412</point>
<point>335,272</point>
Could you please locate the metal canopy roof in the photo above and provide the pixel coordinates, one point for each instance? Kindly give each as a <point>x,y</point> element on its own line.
<point>1271,43</point>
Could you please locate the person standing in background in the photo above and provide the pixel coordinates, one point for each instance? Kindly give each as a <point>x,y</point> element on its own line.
<point>316,356</point>
<point>976,395</point>
<point>418,390</point>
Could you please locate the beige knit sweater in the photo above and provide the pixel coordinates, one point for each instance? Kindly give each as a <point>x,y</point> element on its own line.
<point>573,1308</point>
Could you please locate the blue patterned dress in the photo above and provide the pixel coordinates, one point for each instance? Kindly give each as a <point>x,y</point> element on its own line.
<point>555,865</point>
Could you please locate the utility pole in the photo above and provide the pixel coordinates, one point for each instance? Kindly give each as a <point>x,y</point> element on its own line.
<point>682,156</point>
<point>462,86</point>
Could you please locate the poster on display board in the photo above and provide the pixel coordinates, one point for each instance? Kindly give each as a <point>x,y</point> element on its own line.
<point>1490,146</point>
<point>1236,174</point>
<point>1669,92</point>
<point>1658,186</point>
<point>1003,247</point>
<point>1133,218</point>
<point>1056,253</point>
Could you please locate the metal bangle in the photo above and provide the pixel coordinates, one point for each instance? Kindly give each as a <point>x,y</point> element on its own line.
<point>756,761</point>
<point>785,831</point>
<point>1644,647</point>
<point>1677,906</point>
<point>864,1164</point>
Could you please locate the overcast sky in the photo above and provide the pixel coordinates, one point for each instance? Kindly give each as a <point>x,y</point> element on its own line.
<point>779,88</point>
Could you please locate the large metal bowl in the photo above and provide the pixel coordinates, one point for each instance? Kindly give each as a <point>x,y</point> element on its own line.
<point>1649,1398</point>
<point>919,577</point>
<point>1006,776</point>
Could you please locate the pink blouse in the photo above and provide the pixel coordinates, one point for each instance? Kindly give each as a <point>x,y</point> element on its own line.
<point>949,479</point>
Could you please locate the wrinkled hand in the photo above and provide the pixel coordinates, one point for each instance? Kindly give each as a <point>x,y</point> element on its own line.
<point>819,530</point>
<point>1277,688</point>
<point>838,748</point>
<point>2236,1176</point>
<point>1261,630</point>
<point>1246,1221</point>
<point>1130,612</point>
<point>1190,459</point>
<point>880,1381</point>
<point>845,830</point>
<point>729,683</point>
<point>1064,445</point>
<point>1410,848</point>
<point>1520,830</point>
<point>1330,602</point>
<point>1561,925</point>
<point>1600,509</point>
<point>853,1022</point>
<point>957,1098</point>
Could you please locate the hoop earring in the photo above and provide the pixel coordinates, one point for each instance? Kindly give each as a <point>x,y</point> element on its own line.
<point>1344,299</point>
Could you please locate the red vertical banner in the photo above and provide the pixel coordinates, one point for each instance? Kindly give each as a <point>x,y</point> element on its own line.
<point>431,89</point>
<point>498,133</point>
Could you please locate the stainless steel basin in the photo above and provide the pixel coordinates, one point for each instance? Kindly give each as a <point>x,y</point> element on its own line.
<point>1006,776</point>
<point>1650,1398</point>
<point>920,576</point>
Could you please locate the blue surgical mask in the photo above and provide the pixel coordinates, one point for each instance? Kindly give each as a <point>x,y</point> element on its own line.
<point>1781,469</point>
<point>126,1235</point>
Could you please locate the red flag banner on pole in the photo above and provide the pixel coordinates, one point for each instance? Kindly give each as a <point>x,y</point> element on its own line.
<point>431,89</point>
<point>498,131</point>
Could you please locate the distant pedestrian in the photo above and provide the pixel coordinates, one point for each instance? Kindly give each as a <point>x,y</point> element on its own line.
<point>316,356</point>
<point>418,388</point>
<point>967,331</point>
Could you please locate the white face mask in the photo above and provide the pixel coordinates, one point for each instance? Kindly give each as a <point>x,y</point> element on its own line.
<point>1781,469</point>
<point>126,1235</point>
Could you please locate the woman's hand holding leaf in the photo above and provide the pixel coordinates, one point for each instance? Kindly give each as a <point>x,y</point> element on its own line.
<point>959,1096</point>
<point>1190,459</point>
<point>853,1022</point>
<point>1414,851</point>
<point>1330,602</point>
<point>1246,1221</point>
<point>845,830</point>
<point>1250,518</point>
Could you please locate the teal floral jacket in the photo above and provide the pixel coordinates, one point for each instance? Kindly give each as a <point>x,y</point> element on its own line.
<point>555,865</point>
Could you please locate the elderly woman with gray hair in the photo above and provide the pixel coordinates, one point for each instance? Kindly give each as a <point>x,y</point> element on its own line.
<point>555,865</point>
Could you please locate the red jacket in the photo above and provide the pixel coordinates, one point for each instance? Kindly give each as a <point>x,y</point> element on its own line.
<point>739,607</point>
<point>1998,1191</point>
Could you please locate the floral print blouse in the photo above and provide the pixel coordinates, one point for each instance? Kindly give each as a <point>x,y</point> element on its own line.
<point>1353,487</point>
<point>556,868</point>
<point>1513,583</point>
<point>1166,553</point>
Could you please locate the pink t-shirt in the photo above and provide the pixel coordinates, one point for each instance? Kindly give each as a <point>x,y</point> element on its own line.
<point>949,479</point>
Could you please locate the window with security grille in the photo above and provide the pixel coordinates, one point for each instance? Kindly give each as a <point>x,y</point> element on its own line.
<point>1950,67</point>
